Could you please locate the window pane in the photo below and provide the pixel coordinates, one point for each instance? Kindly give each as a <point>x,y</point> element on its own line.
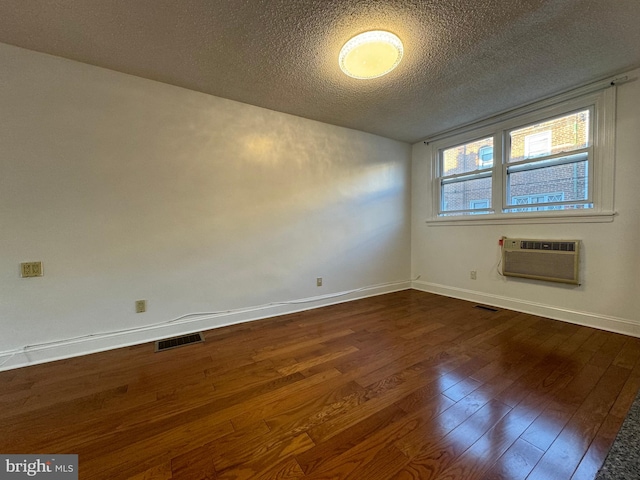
<point>467,195</point>
<point>564,134</point>
<point>467,158</point>
<point>560,183</point>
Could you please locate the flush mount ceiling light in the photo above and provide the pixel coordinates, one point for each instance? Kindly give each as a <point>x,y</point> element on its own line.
<point>371,54</point>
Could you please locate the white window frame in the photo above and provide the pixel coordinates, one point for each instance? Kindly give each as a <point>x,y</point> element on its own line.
<point>601,159</point>
<point>479,173</point>
<point>586,152</point>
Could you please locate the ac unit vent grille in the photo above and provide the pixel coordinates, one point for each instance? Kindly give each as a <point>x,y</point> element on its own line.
<point>549,260</point>
<point>175,342</point>
<point>559,246</point>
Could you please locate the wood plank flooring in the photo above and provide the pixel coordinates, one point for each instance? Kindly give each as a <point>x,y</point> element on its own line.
<point>406,385</point>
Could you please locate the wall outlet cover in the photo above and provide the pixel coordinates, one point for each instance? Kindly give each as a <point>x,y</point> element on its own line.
<point>31,269</point>
<point>141,306</point>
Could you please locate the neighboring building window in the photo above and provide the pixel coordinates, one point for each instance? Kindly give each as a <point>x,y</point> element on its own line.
<point>536,200</point>
<point>537,144</point>
<point>485,157</point>
<point>477,204</point>
<point>546,159</point>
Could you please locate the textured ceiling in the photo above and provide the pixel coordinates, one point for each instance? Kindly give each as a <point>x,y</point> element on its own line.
<point>464,59</point>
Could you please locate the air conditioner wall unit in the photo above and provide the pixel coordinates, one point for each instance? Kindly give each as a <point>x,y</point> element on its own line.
<point>549,260</point>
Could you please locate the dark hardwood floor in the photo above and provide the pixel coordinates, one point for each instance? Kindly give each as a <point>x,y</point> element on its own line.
<point>407,385</point>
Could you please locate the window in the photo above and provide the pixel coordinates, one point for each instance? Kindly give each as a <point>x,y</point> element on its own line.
<point>550,156</point>
<point>536,144</point>
<point>485,156</point>
<point>477,204</point>
<point>466,182</point>
<point>554,159</point>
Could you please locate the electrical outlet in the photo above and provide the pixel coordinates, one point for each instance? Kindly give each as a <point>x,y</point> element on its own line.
<point>141,306</point>
<point>319,281</point>
<point>31,269</point>
<point>473,274</point>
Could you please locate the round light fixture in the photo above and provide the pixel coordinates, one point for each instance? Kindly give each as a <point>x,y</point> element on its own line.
<point>371,54</point>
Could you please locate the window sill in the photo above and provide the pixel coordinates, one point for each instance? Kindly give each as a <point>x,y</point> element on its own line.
<point>512,219</point>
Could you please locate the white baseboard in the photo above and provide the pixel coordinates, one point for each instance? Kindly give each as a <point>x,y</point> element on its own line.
<point>69,348</point>
<point>108,341</point>
<point>602,322</point>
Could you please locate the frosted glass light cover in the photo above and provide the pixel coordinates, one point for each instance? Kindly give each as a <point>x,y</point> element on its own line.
<point>371,54</point>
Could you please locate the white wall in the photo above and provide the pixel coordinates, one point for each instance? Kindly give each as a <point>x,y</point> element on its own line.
<point>609,296</point>
<point>130,189</point>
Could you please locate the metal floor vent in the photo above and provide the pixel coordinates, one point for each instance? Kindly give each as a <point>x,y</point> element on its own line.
<point>175,342</point>
<point>484,307</point>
